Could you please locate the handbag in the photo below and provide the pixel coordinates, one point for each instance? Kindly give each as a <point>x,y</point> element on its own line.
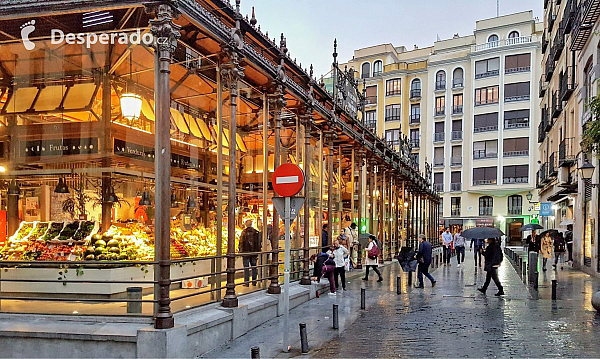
<point>373,252</point>
<point>347,264</point>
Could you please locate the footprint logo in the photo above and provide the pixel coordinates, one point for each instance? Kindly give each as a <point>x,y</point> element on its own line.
<point>26,29</point>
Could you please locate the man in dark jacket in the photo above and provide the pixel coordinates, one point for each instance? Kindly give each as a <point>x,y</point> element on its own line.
<point>424,259</point>
<point>324,239</point>
<point>250,243</point>
<point>493,257</point>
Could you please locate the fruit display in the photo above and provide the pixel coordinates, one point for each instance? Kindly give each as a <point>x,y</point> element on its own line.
<point>84,230</point>
<point>68,232</point>
<point>39,230</point>
<point>53,231</point>
<point>121,243</point>
<point>104,248</point>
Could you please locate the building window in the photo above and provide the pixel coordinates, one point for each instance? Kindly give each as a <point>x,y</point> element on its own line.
<point>392,137</point>
<point>415,113</point>
<point>458,78</point>
<point>486,95</point>
<point>414,138</point>
<point>486,206</point>
<point>440,80</point>
<point>516,147</point>
<point>516,119</point>
<point>441,207</point>
<point>485,149</point>
<point>377,68</point>
<point>588,75</point>
<point>371,95</point>
<point>440,106</point>
<point>485,176</point>
<point>456,159</point>
<point>370,120</point>
<point>513,35</point>
<point>515,205</point>
<point>365,70</point>
<point>455,181</point>
<point>392,112</point>
<point>493,38</point>
<point>487,68</point>
<point>392,87</point>
<point>457,104</point>
<point>516,92</point>
<point>455,206</point>
<point>438,181</point>
<point>515,174</point>
<point>415,88</point>
<point>517,63</point>
<point>485,122</point>
<point>438,157</point>
<point>439,134</point>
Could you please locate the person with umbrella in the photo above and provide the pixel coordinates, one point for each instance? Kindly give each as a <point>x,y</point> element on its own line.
<point>569,240</point>
<point>493,258</point>
<point>559,250</point>
<point>478,234</point>
<point>546,249</point>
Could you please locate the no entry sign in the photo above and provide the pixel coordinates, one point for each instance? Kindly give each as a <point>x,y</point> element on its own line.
<point>288,179</point>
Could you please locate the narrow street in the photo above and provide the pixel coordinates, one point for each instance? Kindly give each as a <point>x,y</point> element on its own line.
<point>451,320</point>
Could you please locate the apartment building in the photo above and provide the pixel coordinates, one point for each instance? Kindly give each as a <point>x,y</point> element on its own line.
<point>467,106</point>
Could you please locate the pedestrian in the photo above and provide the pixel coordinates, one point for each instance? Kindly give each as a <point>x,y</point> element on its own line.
<point>250,243</point>
<point>569,240</point>
<point>447,243</point>
<point>559,250</point>
<point>324,239</point>
<point>477,244</point>
<point>534,247</point>
<point>372,258</point>
<point>339,254</point>
<point>353,244</point>
<point>459,246</point>
<point>546,249</point>
<point>324,267</point>
<point>424,258</point>
<point>493,257</point>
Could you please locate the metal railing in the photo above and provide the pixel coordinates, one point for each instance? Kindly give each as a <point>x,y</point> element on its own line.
<point>440,111</point>
<point>415,94</point>
<point>516,98</point>
<point>438,187</point>
<point>414,142</point>
<point>440,85</point>
<point>457,135</point>
<point>370,100</point>
<point>485,182</point>
<point>543,86</point>
<point>566,152</point>
<point>481,154</point>
<point>516,153</point>
<point>509,180</point>
<point>438,162</point>
<point>553,164</point>
<point>455,161</point>
<point>514,70</point>
<point>455,187</point>
<point>514,123</point>
<point>559,43</point>
<point>458,83</point>
<point>415,118</point>
<point>439,137</point>
<point>567,85</point>
<point>501,43</point>
<point>486,211</point>
<point>515,210</point>
<point>457,110</point>
<point>485,129</point>
<point>490,73</point>
<point>556,105</point>
<point>550,65</point>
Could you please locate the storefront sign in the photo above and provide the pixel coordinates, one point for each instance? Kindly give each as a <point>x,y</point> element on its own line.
<point>61,147</point>
<point>485,222</point>
<point>144,153</point>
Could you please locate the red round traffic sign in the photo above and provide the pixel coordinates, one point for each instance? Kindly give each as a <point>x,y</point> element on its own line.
<point>288,179</point>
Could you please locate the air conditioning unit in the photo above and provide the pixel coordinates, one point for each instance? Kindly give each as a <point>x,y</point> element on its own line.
<point>563,175</point>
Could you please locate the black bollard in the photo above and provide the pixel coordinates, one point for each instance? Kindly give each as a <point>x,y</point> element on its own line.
<point>553,289</point>
<point>362,298</point>
<point>399,285</point>
<point>255,352</point>
<point>303,338</point>
<point>336,321</point>
<point>410,275</point>
<point>535,284</point>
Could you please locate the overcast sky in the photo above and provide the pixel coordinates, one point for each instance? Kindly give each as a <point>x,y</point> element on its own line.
<point>311,25</point>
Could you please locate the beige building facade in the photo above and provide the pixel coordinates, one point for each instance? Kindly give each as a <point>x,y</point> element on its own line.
<point>469,107</point>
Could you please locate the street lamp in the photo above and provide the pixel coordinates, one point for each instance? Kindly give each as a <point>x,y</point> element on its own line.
<point>586,171</point>
<point>529,196</point>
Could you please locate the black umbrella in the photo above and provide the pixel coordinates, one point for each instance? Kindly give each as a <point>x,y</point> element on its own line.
<point>553,233</point>
<point>482,233</point>
<point>531,227</point>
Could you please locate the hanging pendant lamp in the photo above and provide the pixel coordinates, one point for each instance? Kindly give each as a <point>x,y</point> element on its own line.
<point>131,103</point>
<point>61,187</point>
<point>111,197</point>
<point>13,188</point>
<point>174,203</point>
<point>191,203</point>
<point>145,200</point>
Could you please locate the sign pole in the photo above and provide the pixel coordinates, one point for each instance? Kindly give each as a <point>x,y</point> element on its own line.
<point>286,277</point>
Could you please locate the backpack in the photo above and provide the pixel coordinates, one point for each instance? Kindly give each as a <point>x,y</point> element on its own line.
<point>373,252</point>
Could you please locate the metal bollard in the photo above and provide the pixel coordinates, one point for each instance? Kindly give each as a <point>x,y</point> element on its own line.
<point>303,338</point>
<point>535,284</point>
<point>134,293</point>
<point>362,298</point>
<point>255,353</point>
<point>398,285</point>
<point>336,321</point>
<point>410,275</point>
<point>553,289</point>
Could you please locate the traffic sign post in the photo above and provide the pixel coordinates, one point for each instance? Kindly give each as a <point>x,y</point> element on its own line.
<point>288,180</point>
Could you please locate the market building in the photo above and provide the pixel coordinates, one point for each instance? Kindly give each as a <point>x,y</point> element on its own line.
<point>138,138</point>
<point>467,104</point>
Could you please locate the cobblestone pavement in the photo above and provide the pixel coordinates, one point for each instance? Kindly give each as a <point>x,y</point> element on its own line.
<point>451,320</point>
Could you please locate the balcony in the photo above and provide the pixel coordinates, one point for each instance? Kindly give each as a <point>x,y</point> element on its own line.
<point>484,182</point>
<point>515,210</point>
<point>486,211</point>
<point>458,84</point>
<point>414,143</point>
<point>455,161</point>
<point>513,180</point>
<point>551,19</point>
<point>415,94</point>
<point>556,105</point>
<point>438,162</point>
<point>516,98</point>
<point>370,100</point>
<point>567,84</point>
<point>440,85</point>
<point>415,119</point>
<point>559,43</point>
<point>553,165</point>
<point>439,137</point>
<point>455,187</point>
<point>392,116</point>
<point>487,74</point>
<point>485,129</point>
<point>515,70</point>
<point>457,110</point>
<point>501,43</point>
<point>568,16</point>
<point>545,4</point>
<point>566,152</point>
<point>538,180</point>
<point>544,173</point>
<point>516,153</point>
<point>542,126</point>
<point>515,123</point>
<point>438,187</point>
<point>455,212</point>
<point>456,136</point>
<point>483,154</point>
<point>440,111</point>
<point>549,66</point>
<point>583,23</point>
<point>544,43</point>
<point>546,120</point>
<point>543,86</point>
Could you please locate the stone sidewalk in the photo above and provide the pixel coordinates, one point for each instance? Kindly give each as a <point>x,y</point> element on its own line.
<point>451,320</point>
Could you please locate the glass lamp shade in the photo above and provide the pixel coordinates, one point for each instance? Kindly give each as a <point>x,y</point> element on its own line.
<point>529,196</point>
<point>131,106</point>
<point>191,203</point>
<point>586,171</point>
<point>61,187</point>
<point>111,197</point>
<point>145,200</point>
<point>174,203</point>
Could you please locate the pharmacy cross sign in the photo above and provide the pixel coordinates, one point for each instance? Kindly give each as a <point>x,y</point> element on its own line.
<point>288,180</point>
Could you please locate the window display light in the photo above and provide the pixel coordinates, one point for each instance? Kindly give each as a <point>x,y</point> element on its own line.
<point>131,103</point>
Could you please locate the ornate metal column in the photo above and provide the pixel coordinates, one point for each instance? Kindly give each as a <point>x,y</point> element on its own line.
<point>306,120</point>
<point>381,223</point>
<point>390,201</point>
<point>371,193</point>
<point>329,139</point>
<point>166,34</point>
<point>360,157</point>
<point>231,73</point>
<point>277,103</point>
